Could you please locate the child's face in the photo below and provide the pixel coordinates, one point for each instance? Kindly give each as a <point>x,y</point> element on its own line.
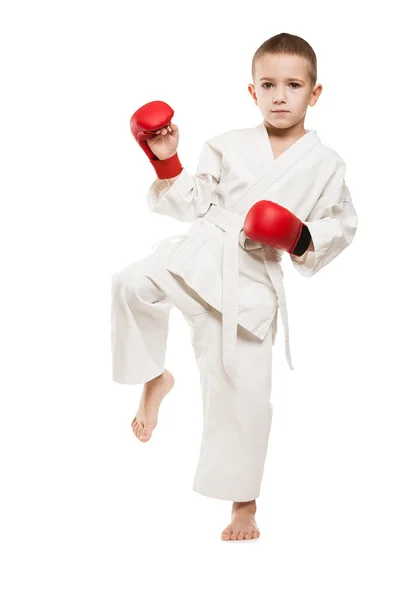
<point>282,82</point>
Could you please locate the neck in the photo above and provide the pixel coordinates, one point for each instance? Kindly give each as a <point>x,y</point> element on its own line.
<point>293,132</point>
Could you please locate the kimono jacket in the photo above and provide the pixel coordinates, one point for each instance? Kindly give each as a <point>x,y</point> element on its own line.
<point>241,278</point>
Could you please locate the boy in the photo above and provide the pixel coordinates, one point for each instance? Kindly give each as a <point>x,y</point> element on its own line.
<point>225,274</point>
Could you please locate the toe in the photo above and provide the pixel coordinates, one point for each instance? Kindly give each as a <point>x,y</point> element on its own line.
<point>144,435</point>
<point>249,535</point>
<point>234,535</point>
<point>226,534</point>
<point>240,535</point>
<point>256,534</point>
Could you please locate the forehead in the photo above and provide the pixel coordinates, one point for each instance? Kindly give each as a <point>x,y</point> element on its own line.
<point>281,66</point>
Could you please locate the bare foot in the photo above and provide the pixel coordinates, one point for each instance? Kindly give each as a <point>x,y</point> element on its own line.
<point>147,415</point>
<point>243,525</point>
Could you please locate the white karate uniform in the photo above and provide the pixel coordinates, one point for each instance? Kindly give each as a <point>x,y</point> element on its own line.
<point>229,288</point>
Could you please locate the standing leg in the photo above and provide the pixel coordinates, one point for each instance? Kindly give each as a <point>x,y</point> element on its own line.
<point>237,421</point>
<point>237,418</point>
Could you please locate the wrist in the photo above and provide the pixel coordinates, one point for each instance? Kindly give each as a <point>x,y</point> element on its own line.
<point>165,169</point>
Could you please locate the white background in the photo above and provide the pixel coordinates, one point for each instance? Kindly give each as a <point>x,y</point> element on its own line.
<point>87,510</point>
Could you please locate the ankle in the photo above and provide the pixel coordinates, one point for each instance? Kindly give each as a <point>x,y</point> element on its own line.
<point>249,506</point>
<point>155,380</point>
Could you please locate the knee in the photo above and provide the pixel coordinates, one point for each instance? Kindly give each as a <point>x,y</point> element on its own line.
<point>117,282</point>
<point>132,285</point>
<point>125,280</point>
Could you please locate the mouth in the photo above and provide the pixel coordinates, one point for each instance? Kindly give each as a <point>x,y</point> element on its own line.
<point>280,111</point>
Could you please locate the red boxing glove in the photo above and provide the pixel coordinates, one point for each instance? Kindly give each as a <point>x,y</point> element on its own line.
<point>272,224</point>
<point>149,118</point>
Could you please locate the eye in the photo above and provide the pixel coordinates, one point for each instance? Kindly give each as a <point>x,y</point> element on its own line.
<point>267,83</point>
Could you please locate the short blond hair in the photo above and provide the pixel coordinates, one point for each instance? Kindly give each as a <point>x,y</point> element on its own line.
<point>286,43</point>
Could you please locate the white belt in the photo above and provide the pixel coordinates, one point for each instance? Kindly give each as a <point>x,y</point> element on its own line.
<point>232,224</point>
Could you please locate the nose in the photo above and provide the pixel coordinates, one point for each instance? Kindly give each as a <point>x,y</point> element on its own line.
<point>280,95</point>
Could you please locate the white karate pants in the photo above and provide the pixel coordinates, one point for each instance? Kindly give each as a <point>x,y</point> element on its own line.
<point>236,415</point>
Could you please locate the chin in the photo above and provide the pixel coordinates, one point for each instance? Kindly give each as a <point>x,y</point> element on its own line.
<point>278,124</point>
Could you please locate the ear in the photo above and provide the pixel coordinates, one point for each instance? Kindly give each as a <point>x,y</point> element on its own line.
<point>252,93</point>
<point>317,91</point>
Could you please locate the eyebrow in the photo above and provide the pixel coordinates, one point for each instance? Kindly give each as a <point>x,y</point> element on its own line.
<point>287,79</point>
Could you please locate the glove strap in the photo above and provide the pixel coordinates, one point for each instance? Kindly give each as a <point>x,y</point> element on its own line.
<point>303,242</point>
<point>170,167</point>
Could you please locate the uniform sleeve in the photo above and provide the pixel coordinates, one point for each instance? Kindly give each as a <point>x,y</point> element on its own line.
<point>332,224</point>
<point>187,197</point>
